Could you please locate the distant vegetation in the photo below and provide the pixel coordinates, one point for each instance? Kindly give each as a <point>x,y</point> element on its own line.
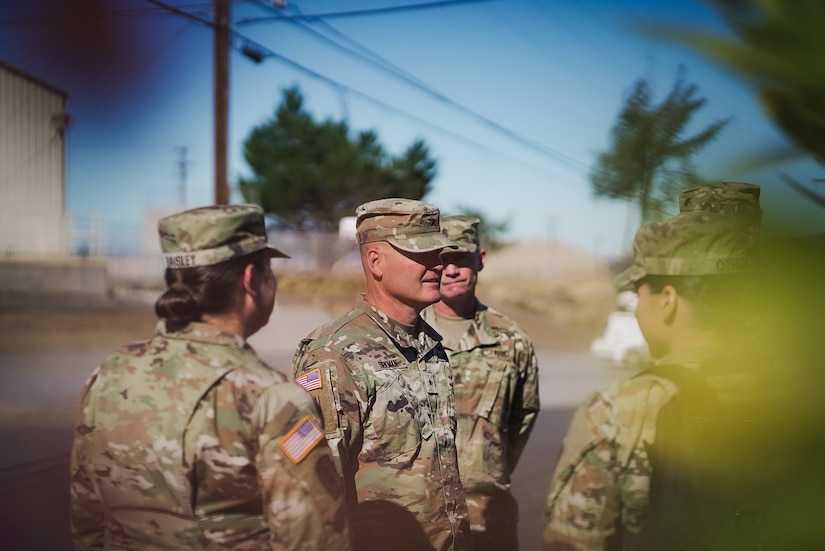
<point>309,174</point>
<point>650,158</point>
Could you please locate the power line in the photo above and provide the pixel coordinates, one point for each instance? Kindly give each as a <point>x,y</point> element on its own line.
<point>359,13</point>
<point>57,19</point>
<point>126,12</point>
<point>183,13</point>
<point>385,105</point>
<point>387,66</point>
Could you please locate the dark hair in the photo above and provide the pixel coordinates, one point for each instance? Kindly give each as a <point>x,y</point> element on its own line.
<point>723,301</point>
<point>193,292</point>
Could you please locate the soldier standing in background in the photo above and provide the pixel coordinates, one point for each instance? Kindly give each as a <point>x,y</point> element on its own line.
<point>384,385</point>
<point>495,378</point>
<point>188,440</point>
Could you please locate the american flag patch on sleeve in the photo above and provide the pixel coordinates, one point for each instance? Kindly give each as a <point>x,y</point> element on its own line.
<point>311,380</point>
<point>300,440</point>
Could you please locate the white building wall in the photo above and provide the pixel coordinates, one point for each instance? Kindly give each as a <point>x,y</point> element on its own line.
<point>32,196</point>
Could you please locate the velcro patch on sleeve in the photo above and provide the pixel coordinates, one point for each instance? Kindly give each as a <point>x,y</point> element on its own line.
<point>301,439</point>
<point>311,380</point>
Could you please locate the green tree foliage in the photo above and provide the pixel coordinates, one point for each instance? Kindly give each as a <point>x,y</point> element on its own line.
<point>777,46</point>
<point>650,160</point>
<point>309,174</point>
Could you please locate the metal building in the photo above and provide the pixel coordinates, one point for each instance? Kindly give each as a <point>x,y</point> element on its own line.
<point>32,174</point>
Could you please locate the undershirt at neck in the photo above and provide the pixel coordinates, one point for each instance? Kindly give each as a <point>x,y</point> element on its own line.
<point>451,329</point>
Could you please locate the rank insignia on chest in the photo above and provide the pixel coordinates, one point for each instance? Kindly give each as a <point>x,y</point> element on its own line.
<point>301,439</point>
<point>311,380</point>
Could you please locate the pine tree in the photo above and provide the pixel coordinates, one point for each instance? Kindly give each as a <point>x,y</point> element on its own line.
<point>650,160</point>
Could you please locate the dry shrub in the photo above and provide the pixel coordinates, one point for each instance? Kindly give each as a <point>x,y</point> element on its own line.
<point>577,302</point>
<point>333,293</point>
<point>557,313</point>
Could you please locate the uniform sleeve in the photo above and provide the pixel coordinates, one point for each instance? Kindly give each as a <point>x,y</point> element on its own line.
<point>526,405</point>
<point>325,375</point>
<point>86,512</point>
<point>584,503</point>
<point>601,484</point>
<point>302,491</point>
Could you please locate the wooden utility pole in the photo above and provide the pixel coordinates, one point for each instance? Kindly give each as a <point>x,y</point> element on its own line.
<point>221,99</point>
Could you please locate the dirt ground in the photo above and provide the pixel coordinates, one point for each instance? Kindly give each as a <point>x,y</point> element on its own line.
<point>557,315</point>
<point>67,336</point>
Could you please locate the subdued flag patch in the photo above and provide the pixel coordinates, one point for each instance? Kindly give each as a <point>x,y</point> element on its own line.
<point>311,380</point>
<point>300,440</point>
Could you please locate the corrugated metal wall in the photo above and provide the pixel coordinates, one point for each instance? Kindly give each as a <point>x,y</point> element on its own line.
<point>32,197</point>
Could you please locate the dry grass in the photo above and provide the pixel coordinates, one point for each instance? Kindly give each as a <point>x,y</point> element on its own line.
<point>97,329</point>
<point>557,314</point>
<point>334,294</point>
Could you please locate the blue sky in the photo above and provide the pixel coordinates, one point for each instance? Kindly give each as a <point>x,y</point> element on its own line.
<point>553,73</point>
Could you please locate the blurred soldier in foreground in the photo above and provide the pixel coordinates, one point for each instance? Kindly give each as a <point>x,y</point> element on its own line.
<point>188,440</point>
<point>786,336</point>
<point>495,378</point>
<point>384,384</point>
<point>686,454</point>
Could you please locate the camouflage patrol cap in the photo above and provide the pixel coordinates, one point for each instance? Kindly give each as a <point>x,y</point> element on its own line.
<point>688,244</point>
<point>462,230</point>
<point>738,198</point>
<point>409,225</point>
<point>210,235</point>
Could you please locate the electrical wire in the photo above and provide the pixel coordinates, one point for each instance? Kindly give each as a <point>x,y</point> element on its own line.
<point>399,73</point>
<point>360,13</point>
<point>242,40</point>
<point>332,82</point>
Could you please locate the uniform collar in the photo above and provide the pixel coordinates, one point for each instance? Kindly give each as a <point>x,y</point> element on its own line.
<point>205,333</point>
<point>690,358</point>
<point>420,336</point>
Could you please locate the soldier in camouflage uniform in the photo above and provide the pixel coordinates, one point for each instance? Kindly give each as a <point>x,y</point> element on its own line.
<point>384,384</point>
<point>188,440</point>
<point>495,378</point>
<point>599,493</point>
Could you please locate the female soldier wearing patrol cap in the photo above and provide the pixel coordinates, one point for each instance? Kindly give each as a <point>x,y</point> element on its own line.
<point>692,273</point>
<point>188,440</point>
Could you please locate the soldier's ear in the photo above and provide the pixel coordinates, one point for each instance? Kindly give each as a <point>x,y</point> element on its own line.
<point>249,280</point>
<point>482,256</point>
<point>374,260</point>
<point>668,301</point>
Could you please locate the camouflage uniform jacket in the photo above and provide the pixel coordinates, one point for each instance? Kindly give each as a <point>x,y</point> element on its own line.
<point>189,441</point>
<point>602,478</point>
<point>495,378</point>
<point>387,400</point>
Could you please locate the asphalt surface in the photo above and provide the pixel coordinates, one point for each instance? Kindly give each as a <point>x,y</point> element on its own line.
<point>38,396</point>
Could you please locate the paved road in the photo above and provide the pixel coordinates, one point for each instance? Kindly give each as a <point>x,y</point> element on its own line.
<point>38,394</point>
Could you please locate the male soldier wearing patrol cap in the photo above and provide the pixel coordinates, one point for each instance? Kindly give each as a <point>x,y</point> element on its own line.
<point>495,378</point>
<point>188,440</point>
<point>384,384</point>
<point>689,272</point>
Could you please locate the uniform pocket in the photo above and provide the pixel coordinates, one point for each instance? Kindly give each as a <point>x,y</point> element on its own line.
<point>486,407</point>
<point>393,434</point>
